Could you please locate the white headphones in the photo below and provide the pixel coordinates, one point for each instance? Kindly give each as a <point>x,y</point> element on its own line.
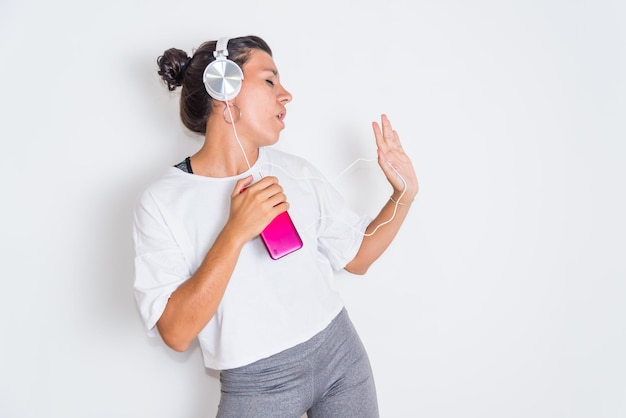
<point>222,77</point>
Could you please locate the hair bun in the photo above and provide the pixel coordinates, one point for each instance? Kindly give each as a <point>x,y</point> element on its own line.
<point>172,65</point>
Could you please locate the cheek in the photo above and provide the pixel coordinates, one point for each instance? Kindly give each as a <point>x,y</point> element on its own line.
<point>251,106</point>
<point>255,111</point>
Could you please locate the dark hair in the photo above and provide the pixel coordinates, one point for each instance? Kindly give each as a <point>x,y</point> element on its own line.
<point>177,69</point>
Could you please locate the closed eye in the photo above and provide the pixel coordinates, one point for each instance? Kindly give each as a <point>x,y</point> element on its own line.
<point>270,82</point>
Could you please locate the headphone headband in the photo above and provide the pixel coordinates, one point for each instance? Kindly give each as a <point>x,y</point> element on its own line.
<point>221,49</point>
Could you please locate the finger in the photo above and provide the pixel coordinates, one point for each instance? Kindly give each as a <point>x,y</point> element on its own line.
<point>387,129</point>
<point>386,137</point>
<point>267,187</point>
<point>266,182</point>
<point>378,134</point>
<point>262,184</point>
<point>277,199</point>
<point>390,135</point>
<point>268,190</point>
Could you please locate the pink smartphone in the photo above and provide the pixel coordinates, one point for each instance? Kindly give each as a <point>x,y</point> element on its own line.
<point>281,237</point>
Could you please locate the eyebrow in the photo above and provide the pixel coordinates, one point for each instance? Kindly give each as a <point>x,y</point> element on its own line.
<point>271,70</point>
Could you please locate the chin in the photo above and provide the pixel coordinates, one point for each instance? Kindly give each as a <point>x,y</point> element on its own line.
<point>271,141</point>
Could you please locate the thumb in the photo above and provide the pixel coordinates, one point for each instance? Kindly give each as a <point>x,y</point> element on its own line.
<point>383,161</point>
<point>241,185</point>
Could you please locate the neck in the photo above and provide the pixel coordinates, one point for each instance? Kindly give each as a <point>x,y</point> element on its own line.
<point>223,153</point>
<point>222,157</point>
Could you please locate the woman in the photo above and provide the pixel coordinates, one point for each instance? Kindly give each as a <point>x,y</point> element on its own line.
<point>275,328</point>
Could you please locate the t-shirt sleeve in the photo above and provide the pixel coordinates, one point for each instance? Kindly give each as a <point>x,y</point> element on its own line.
<point>160,266</point>
<point>341,228</point>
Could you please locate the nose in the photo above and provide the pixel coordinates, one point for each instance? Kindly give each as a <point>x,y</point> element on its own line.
<point>284,97</point>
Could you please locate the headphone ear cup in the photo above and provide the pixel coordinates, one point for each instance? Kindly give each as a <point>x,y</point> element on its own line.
<point>222,79</point>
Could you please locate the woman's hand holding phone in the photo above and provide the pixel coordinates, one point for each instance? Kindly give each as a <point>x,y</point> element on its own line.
<point>261,209</point>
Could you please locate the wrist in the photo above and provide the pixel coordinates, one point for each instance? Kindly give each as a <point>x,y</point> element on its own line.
<point>400,200</point>
<point>231,239</point>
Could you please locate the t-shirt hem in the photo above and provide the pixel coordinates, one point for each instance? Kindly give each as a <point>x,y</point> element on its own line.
<point>217,366</point>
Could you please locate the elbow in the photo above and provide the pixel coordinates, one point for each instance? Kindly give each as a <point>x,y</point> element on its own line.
<point>181,347</point>
<point>356,268</point>
<point>176,343</point>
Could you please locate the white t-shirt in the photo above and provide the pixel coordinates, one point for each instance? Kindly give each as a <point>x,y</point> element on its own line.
<point>269,305</point>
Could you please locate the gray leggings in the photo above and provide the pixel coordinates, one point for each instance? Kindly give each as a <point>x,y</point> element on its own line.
<point>327,376</point>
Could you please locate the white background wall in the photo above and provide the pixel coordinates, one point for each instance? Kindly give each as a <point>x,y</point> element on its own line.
<point>503,296</point>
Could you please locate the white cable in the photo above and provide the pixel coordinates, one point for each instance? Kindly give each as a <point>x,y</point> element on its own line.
<point>232,122</point>
<point>396,202</point>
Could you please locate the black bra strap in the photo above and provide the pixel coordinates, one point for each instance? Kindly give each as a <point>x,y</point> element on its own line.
<point>185,166</point>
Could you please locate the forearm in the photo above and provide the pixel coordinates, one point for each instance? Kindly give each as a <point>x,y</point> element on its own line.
<point>399,171</point>
<point>379,234</point>
<point>194,302</point>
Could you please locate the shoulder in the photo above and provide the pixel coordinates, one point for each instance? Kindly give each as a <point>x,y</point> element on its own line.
<point>171,177</point>
<point>168,183</point>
